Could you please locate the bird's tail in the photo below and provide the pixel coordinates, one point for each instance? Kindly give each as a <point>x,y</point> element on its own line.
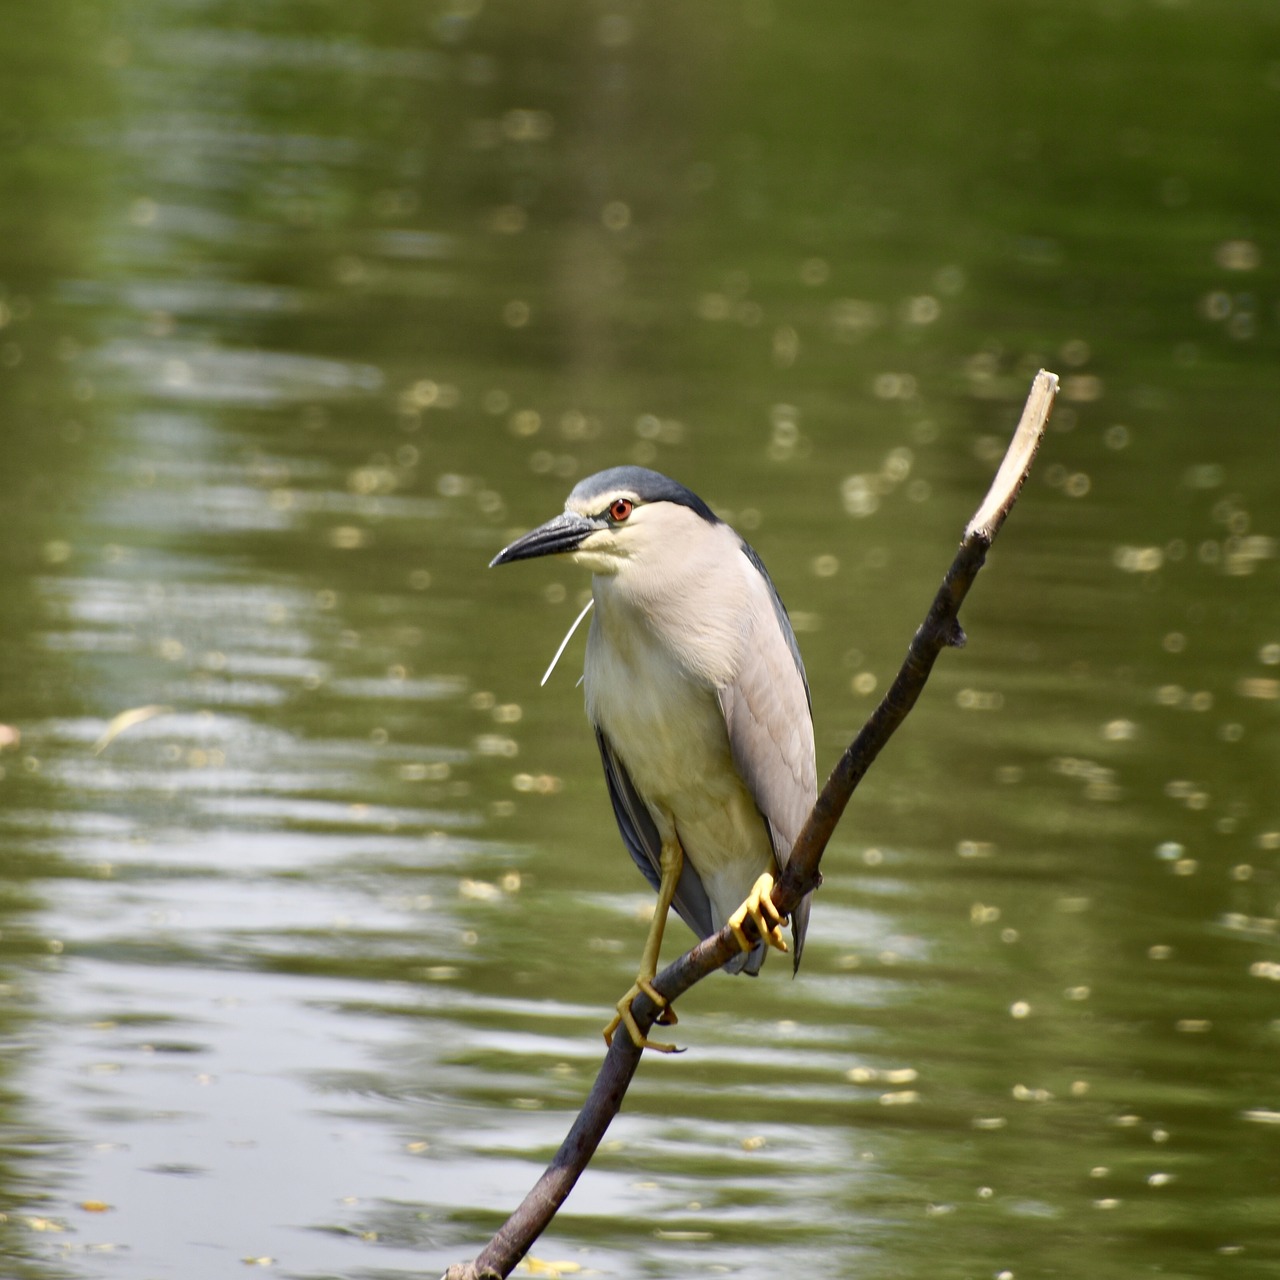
<point>747,962</point>
<point>799,927</point>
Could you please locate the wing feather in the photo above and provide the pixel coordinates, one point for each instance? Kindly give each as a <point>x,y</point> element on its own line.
<point>640,835</point>
<point>768,715</point>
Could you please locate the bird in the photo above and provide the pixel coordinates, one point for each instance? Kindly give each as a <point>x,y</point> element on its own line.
<point>701,709</point>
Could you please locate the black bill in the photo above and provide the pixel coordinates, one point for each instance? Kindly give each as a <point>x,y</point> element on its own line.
<point>565,533</point>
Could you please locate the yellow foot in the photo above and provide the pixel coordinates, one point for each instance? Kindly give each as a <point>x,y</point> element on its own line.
<point>624,1016</point>
<point>759,906</point>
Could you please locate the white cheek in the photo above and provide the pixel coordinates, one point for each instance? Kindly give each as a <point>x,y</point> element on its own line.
<point>598,560</point>
<point>600,553</point>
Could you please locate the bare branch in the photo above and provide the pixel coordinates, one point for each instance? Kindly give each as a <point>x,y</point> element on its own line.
<point>940,629</point>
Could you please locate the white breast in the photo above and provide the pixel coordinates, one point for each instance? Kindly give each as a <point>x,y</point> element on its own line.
<point>666,726</point>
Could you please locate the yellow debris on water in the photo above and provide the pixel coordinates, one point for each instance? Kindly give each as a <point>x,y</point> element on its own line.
<point>127,720</point>
<point>541,1267</point>
<point>477,890</point>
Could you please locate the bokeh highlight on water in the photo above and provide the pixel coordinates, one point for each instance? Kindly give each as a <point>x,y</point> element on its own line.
<point>304,310</point>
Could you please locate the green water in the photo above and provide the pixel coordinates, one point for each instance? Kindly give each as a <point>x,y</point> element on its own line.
<point>306,309</point>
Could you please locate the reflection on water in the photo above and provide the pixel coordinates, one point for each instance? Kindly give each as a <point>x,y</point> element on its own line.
<point>303,314</point>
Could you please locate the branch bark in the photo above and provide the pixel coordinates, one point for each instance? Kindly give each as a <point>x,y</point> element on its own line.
<point>940,629</point>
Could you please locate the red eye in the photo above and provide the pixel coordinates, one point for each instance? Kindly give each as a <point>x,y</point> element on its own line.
<point>620,509</point>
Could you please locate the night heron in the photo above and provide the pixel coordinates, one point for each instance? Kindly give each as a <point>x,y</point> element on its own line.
<point>698,696</point>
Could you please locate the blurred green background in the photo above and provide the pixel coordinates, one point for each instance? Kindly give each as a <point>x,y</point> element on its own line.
<point>305,309</point>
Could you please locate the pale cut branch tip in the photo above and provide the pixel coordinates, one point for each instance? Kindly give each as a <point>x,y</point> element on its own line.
<point>1017,459</point>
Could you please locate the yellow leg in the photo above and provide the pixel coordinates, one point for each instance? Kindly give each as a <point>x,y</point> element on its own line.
<point>759,906</point>
<point>672,861</point>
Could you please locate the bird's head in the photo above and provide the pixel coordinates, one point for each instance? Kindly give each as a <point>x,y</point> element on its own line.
<point>616,518</point>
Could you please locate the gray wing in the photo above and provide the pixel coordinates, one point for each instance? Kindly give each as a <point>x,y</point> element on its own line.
<point>640,835</point>
<point>768,715</point>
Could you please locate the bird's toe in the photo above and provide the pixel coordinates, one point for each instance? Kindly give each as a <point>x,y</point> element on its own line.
<point>767,919</point>
<point>624,1017</point>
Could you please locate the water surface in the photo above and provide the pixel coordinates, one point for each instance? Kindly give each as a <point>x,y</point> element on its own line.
<point>305,310</point>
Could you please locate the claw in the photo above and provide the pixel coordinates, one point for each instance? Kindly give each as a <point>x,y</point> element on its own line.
<point>759,906</point>
<point>624,1016</point>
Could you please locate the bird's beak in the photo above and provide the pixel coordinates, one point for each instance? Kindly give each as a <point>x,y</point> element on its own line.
<point>566,532</point>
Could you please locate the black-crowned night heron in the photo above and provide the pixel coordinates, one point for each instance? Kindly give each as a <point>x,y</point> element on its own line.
<point>701,708</point>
